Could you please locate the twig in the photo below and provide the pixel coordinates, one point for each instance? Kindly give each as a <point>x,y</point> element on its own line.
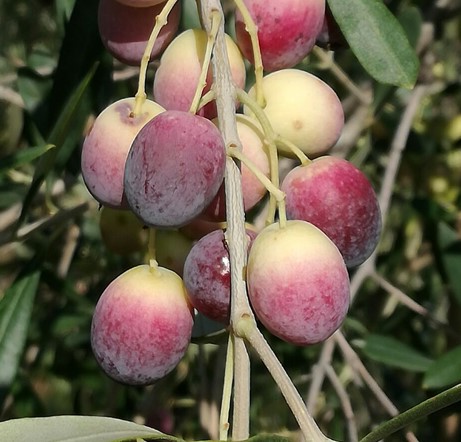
<point>326,353</point>
<point>355,362</point>
<point>311,431</point>
<point>405,300</point>
<point>357,365</point>
<point>10,216</point>
<point>70,245</point>
<point>226,389</point>
<point>318,373</point>
<point>326,58</point>
<point>345,403</point>
<point>397,147</point>
<point>60,217</point>
<point>360,120</point>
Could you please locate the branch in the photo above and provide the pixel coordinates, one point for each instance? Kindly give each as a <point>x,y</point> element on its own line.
<point>397,147</point>
<point>356,363</point>
<point>345,403</point>
<point>235,233</point>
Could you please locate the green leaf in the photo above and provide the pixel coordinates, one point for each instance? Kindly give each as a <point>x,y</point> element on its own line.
<point>77,429</point>
<point>450,249</point>
<point>411,21</point>
<point>377,40</point>
<point>15,312</point>
<point>206,330</point>
<point>66,119</point>
<point>269,438</point>
<point>23,157</point>
<point>444,371</point>
<point>57,137</point>
<point>189,16</point>
<point>392,352</point>
<point>32,87</point>
<point>81,31</point>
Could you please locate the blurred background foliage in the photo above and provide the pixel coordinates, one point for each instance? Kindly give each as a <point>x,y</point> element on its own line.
<point>404,325</point>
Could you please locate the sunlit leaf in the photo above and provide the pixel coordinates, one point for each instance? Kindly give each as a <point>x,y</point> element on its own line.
<point>377,40</point>
<point>77,429</point>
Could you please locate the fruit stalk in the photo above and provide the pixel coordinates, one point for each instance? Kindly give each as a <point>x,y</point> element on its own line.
<point>160,21</point>
<point>245,99</point>
<point>215,20</point>
<point>252,30</point>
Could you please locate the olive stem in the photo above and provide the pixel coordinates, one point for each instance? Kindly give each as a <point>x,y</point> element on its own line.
<point>252,30</point>
<point>253,168</point>
<point>160,21</point>
<point>295,150</point>
<point>151,255</point>
<point>270,141</point>
<point>211,37</point>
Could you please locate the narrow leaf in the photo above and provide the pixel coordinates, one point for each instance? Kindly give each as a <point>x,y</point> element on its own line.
<point>57,137</point>
<point>23,157</point>
<point>65,120</point>
<point>444,371</point>
<point>269,438</point>
<point>450,248</point>
<point>77,429</point>
<point>15,311</point>
<point>411,20</point>
<point>392,352</point>
<point>377,40</point>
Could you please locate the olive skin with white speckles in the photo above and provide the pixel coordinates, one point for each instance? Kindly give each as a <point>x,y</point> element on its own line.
<point>106,147</point>
<point>298,283</point>
<point>287,30</point>
<point>174,168</point>
<point>207,275</point>
<point>335,196</point>
<point>142,325</point>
